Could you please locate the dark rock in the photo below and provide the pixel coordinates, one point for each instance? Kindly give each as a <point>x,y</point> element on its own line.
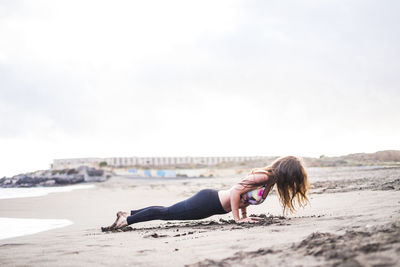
<point>72,171</point>
<point>26,180</point>
<point>51,182</point>
<point>74,179</point>
<point>95,172</point>
<point>55,177</point>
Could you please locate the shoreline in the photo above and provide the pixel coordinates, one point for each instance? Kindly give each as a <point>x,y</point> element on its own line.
<point>17,227</point>
<point>25,192</point>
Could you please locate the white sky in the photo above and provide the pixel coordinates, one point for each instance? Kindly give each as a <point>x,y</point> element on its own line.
<point>198,78</point>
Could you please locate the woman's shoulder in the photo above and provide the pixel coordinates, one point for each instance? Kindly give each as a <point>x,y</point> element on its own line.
<point>256,176</point>
<point>261,175</point>
<point>254,171</point>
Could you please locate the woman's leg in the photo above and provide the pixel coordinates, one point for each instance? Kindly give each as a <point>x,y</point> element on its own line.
<point>174,212</point>
<point>202,205</point>
<point>148,214</point>
<point>136,211</point>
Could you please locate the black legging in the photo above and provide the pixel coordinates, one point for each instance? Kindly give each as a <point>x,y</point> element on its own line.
<point>202,205</point>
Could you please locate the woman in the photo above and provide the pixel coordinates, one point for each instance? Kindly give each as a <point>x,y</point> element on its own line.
<point>287,173</point>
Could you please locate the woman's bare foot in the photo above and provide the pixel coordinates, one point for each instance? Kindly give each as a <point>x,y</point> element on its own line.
<point>120,214</point>
<point>121,221</point>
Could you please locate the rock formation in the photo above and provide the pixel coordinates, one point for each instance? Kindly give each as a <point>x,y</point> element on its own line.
<point>55,177</point>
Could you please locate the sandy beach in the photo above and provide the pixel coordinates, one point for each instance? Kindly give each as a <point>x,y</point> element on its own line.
<point>352,220</point>
<point>113,106</point>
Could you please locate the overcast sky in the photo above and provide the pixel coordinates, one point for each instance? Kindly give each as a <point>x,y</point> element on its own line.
<point>196,78</point>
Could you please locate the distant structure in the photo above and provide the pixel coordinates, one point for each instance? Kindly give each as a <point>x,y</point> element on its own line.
<point>123,162</point>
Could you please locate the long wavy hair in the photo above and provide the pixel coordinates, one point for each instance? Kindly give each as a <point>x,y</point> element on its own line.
<point>291,181</point>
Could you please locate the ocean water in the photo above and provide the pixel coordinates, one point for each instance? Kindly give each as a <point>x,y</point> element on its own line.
<point>13,227</point>
<point>6,193</point>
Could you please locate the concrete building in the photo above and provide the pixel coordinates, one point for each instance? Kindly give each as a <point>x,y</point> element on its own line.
<point>122,162</point>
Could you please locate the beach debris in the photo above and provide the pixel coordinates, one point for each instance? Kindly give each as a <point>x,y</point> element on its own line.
<point>377,245</point>
<point>155,235</point>
<point>346,248</point>
<point>114,230</point>
<point>236,258</point>
<point>206,225</point>
<point>183,234</point>
<point>389,182</point>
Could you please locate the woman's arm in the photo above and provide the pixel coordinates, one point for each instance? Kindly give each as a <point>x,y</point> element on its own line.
<point>244,212</point>
<point>235,198</point>
<point>251,182</point>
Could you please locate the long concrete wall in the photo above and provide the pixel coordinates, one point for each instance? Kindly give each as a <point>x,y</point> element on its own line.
<point>121,162</point>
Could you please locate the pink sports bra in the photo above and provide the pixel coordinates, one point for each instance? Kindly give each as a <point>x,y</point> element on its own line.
<point>254,197</point>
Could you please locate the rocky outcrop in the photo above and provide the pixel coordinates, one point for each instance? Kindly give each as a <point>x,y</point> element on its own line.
<point>55,177</point>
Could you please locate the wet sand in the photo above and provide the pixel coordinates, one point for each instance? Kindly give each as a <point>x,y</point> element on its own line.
<point>353,220</point>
